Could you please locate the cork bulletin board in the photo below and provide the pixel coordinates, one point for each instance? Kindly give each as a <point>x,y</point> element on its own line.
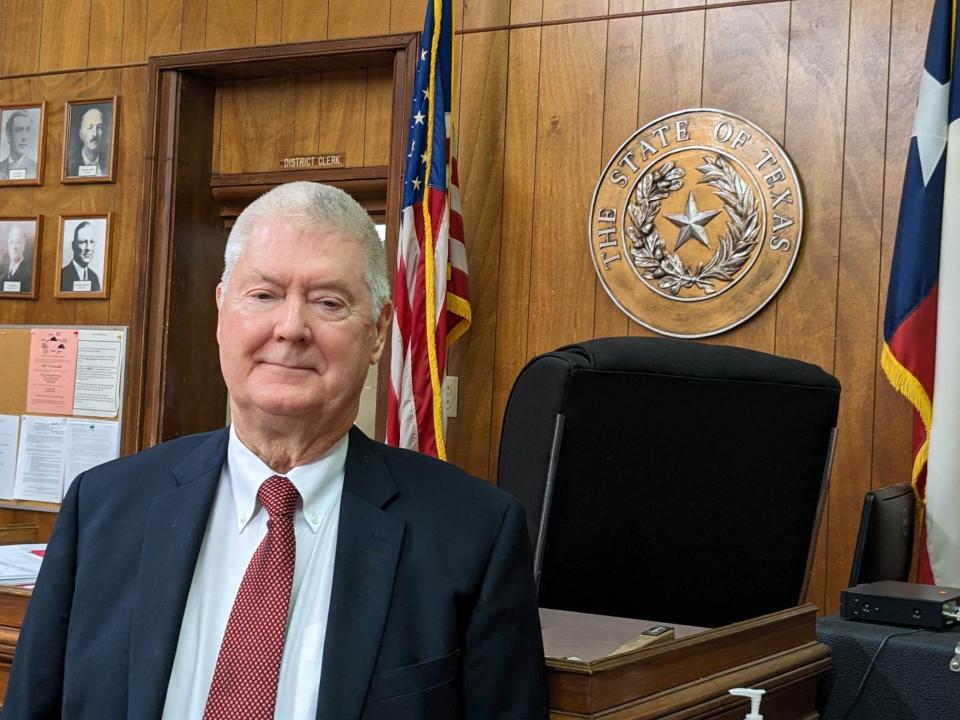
<point>71,375</point>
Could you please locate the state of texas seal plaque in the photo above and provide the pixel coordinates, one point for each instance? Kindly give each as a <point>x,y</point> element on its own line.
<point>696,223</point>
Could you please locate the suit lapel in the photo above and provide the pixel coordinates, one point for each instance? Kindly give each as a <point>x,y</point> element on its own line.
<point>368,547</point>
<point>173,533</point>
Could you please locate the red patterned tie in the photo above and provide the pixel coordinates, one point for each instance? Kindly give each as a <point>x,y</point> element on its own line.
<point>248,666</point>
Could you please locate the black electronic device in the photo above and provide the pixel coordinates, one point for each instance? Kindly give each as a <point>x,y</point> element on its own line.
<point>899,603</point>
<point>885,539</point>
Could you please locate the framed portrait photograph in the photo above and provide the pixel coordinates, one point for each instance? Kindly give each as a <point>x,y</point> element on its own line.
<point>90,140</point>
<point>19,256</point>
<point>21,144</point>
<point>83,256</point>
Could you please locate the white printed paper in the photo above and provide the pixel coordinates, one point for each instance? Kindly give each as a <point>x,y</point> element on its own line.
<point>9,431</point>
<point>99,359</point>
<point>40,459</point>
<point>89,443</point>
<point>20,563</point>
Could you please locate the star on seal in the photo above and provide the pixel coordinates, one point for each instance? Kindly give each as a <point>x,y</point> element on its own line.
<point>691,223</point>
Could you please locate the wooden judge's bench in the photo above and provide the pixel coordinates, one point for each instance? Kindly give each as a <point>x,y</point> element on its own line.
<point>673,678</point>
<point>686,676</point>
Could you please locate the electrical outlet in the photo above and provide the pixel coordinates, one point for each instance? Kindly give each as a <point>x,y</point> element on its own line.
<point>450,387</point>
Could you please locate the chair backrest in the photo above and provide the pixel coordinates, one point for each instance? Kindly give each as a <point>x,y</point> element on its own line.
<point>687,479</point>
<point>885,538</point>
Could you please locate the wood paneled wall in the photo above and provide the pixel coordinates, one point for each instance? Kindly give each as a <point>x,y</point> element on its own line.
<point>547,90</point>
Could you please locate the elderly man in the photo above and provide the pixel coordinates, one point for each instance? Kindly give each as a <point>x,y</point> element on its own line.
<point>77,275</point>
<point>17,165</point>
<point>88,158</point>
<point>288,566</point>
<point>19,275</point>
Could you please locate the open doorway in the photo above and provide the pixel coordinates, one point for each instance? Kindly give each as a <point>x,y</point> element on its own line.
<point>197,184</point>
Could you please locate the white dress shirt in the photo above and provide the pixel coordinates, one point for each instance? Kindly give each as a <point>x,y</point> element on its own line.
<point>82,274</point>
<point>236,526</point>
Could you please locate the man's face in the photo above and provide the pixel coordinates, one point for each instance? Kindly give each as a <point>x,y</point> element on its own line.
<point>91,131</point>
<point>83,246</point>
<point>16,245</point>
<point>19,136</point>
<point>295,326</point>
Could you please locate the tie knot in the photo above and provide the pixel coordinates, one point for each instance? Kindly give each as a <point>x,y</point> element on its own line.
<point>279,496</point>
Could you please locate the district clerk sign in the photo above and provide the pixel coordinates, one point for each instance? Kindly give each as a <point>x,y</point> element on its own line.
<point>696,223</point>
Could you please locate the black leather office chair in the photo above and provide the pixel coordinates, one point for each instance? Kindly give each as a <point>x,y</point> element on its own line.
<point>884,547</point>
<point>683,482</point>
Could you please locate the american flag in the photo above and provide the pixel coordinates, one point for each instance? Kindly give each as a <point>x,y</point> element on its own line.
<point>431,290</point>
<point>921,350</point>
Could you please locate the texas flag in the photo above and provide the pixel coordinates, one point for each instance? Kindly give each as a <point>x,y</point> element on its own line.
<point>921,351</point>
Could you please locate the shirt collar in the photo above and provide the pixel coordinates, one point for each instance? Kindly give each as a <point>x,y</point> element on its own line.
<point>314,481</point>
<point>81,271</point>
<point>85,161</point>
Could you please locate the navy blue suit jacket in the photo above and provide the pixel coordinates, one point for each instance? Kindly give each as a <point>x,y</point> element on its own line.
<point>433,612</point>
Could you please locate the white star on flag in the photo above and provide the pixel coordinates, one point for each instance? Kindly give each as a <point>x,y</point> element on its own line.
<point>419,117</point>
<point>930,124</point>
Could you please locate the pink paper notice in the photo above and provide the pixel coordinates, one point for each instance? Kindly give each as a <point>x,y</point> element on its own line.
<point>53,371</point>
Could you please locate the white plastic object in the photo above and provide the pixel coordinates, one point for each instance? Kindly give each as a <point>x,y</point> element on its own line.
<point>755,694</point>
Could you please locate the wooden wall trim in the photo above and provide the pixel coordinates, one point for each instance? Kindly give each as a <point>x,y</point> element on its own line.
<point>367,185</point>
<point>277,60</point>
<point>361,176</point>
<point>616,16</point>
<point>68,71</point>
<point>153,287</point>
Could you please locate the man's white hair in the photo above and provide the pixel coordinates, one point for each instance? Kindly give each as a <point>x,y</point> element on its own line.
<point>314,207</point>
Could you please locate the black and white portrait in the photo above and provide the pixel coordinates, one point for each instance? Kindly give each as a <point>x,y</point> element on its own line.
<point>84,256</point>
<point>21,144</point>
<point>89,140</point>
<point>18,256</point>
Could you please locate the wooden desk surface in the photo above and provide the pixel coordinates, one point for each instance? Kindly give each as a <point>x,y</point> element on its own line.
<point>584,637</point>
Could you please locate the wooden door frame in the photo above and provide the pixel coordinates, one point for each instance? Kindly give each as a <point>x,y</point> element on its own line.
<point>177,163</point>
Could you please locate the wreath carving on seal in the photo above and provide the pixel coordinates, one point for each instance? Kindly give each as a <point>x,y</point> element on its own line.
<point>667,269</point>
